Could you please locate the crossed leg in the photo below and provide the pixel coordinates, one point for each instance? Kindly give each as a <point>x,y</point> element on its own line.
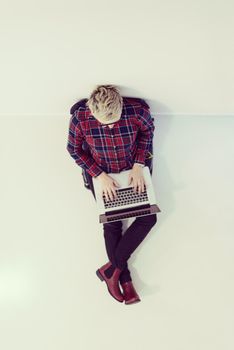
<point>112,235</point>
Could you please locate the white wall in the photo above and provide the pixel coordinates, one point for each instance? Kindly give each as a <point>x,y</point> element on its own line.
<point>178,56</point>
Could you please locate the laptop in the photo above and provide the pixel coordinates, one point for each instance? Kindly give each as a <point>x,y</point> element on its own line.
<point>128,203</point>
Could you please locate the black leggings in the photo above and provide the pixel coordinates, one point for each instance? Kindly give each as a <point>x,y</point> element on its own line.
<point>119,247</point>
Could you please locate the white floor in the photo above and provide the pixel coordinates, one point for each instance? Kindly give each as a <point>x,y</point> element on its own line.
<point>52,244</point>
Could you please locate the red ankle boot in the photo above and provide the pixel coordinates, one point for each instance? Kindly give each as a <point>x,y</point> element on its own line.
<point>130,294</point>
<point>112,282</point>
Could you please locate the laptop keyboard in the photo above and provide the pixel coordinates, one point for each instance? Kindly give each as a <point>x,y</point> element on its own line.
<point>125,196</point>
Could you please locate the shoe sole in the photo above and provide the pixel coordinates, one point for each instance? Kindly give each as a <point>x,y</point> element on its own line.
<point>132,302</point>
<point>103,279</point>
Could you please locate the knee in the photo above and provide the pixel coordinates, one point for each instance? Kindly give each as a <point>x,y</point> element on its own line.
<point>114,224</point>
<point>112,227</point>
<point>154,219</point>
<point>149,220</point>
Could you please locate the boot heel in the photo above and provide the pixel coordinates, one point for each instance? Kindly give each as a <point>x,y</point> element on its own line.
<point>99,275</point>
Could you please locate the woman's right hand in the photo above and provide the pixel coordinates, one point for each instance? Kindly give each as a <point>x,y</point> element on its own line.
<point>108,185</point>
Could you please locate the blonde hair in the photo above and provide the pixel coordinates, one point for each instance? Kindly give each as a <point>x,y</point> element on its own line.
<point>106,103</point>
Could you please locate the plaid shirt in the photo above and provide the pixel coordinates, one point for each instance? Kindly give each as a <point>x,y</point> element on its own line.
<point>111,149</point>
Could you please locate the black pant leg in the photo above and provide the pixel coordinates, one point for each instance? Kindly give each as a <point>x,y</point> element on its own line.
<point>112,236</point>
<point>132,238</point>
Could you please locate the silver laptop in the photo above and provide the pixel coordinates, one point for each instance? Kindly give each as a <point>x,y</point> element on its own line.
<point>128,203</point>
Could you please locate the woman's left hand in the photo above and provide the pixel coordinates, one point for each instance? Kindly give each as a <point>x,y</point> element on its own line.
<point>136,178</point>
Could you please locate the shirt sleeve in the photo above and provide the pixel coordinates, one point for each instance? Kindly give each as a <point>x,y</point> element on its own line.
<point>145,135</point>
<point>74,147</point>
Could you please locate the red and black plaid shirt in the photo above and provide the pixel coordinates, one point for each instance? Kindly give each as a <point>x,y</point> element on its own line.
<point>111,149</point>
